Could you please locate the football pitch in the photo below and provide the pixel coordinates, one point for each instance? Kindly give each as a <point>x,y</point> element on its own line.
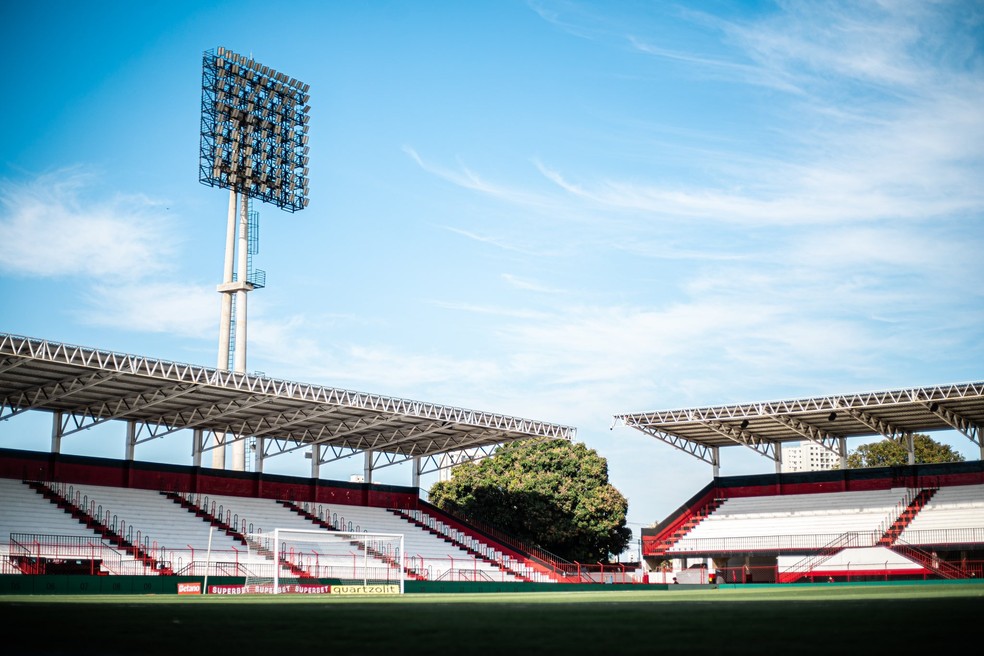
<point>827,619</point>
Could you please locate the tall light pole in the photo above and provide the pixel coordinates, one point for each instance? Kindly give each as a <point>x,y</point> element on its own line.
<point>254,142</point>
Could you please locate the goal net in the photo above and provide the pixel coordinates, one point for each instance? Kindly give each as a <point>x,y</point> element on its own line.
<point>320,561</point>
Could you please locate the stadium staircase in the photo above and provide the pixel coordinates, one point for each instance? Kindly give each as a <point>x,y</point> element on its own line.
<point>423,524</point>
<point>409,571</point>
<point>659,545</point>
<point>292,567</point>
<point>201,513</point>
<point>814,560</point>
<point>519,558</point>
<point>101,529</point>
<point>893,532</point>
<point>929,560</point>
<point>308,515</point>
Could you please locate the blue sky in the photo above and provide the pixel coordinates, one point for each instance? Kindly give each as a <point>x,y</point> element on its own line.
<point>555,210</point>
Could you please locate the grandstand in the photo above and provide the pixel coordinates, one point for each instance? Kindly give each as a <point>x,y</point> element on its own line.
<point>164,531</point>
<point>76,514</point>
<point>918,521</point>
<point>161,519</point>
<point>98,516</point>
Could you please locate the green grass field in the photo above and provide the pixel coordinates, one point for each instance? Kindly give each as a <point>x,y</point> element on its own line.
<point>832,619</point>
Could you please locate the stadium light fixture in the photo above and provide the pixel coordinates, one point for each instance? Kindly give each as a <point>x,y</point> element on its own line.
<point>254,120</point>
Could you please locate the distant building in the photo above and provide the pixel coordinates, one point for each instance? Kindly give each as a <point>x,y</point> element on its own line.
<point>808,456</point>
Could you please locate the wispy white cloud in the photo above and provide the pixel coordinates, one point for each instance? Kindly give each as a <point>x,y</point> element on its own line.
<point>673,248</point>
<point>52,227</point>
<point>880,118</point>
<point>528,285</point>
<point>172,308</point>
<point>467,179</point>
<point>922,164</point>
<point>875,43</point>
<point>383,368</point>
<point>504,243</point>
<point>65,228</point>
<point>492,310</point>
<point>719,68</point>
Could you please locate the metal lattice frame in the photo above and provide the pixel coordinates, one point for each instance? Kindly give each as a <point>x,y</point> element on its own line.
<point>825,420</point>
<point>85,387</point>
<point>254,130</point>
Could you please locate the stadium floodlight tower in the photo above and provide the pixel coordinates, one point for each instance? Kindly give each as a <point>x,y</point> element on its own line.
<point>255,144</point>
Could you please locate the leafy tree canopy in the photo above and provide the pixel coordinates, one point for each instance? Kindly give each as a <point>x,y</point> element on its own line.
<point>889,452</point>
<point>552,493</point>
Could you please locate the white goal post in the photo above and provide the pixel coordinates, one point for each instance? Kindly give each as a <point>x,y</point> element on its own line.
<point>290,560</point>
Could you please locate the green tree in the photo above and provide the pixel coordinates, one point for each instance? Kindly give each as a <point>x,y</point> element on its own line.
<point>552,493</point>
<point>889,452</point>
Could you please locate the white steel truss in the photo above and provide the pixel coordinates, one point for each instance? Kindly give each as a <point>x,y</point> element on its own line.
<point>826,420</point>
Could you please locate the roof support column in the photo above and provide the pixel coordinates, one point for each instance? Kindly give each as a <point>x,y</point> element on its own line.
<point>228,271</point>
<point>715,461</point>
<point>56,431</point>
<point>315,456</point>
<point>415,476</point>
<point>910,445</point>
<point>225,318</point>
<point>778,457</point>
<point>218,451</point>
<point>368,467</point>
<point>197,445</point>
<point>842,449</point>
<point>239,446</point>
<point>131,440</point>
<point>258,454</point>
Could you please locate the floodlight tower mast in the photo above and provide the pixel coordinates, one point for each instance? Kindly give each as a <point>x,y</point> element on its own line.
<point>253,143</point>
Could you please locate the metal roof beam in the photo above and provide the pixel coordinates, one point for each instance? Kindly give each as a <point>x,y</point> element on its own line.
<point>329,435</point>
<point>100,413</point>
<point>432,463</point>
<point>7,364</point>
<point>880,426</point>
<point>741,436</point>
<point>37,397</point>
<point>826,439</point>
<point>323,437</point>
<point>339,452</point>
<point>690,447</point>
<point>360,425</point>
<point>481,451</point>
<point>402,435</point>
<point>299,415</point>
<point>456,442</point>
<point>206,416</point>
<point>968,428</point>
<point>887,429</point>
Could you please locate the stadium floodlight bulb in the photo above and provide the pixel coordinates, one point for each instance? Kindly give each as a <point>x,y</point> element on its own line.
<point>254,130</point>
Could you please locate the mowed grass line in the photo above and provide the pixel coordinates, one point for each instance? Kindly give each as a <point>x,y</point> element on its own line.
<point>801,620</point>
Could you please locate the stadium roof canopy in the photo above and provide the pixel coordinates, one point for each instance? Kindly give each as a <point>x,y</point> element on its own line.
<point>85,387</point>
<point>825,420</point>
